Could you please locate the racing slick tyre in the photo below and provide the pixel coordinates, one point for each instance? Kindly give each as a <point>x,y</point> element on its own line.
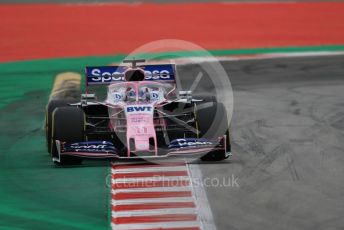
<point>52,105</point>
<point>68,125</point>
<point>212,122</point>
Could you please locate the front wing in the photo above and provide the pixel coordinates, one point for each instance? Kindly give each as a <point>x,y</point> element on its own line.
<point>188,148</point>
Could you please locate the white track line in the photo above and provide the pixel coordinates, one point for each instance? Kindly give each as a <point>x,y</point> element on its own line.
<point>153,189</point>
<point>151,200</point>
<point>160,225</point>
<point>203,208</point>
<point>149,169</point>
<point>150,179</point>
<point>248,57</point>
<point>150,212</point>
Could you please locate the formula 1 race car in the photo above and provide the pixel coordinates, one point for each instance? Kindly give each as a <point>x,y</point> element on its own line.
<point>142,116</point>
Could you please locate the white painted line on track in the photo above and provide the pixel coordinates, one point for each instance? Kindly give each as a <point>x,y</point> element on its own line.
<point>155,212</point>
<point>153,189</point>
<point>248,57</point>
<point>150,200</point>
<point>160,225</point>
<point>149,169</point>
<point>150,179</point>
<point>203,208</point>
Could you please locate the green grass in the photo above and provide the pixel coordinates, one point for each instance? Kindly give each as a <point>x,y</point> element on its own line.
<point>34,194</point>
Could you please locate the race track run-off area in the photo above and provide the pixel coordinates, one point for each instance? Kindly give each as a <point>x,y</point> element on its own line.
<point>37,31</point>
<point>286,128</point>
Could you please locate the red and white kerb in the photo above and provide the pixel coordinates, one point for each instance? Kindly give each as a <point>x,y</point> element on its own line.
<point>147,196</point>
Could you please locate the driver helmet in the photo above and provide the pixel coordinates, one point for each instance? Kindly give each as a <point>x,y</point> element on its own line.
<point>145,93</point>
<point>130,94</point>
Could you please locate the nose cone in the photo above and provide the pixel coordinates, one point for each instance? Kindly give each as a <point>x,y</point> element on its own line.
<point>140,127</point>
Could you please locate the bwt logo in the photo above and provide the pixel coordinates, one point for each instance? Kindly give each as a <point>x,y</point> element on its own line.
<point>97,75</point>
<point>138,109</point>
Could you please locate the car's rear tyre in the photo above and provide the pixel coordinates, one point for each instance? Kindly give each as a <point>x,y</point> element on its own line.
<point>212,123</point>
<point>52,105</point>
<point>68,125</point>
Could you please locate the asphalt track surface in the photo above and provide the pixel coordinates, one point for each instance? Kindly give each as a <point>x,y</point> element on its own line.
<point>287,133</point>
<point>287,145</point>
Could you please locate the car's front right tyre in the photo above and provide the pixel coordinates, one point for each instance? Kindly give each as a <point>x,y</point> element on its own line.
<point>68,125</point>
<point>212,122</point>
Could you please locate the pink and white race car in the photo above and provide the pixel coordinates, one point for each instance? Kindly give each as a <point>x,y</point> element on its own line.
<point>142,116</point>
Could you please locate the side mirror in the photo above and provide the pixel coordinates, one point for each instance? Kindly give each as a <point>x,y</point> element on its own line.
<point>186,95</point>
<point>87,96</point>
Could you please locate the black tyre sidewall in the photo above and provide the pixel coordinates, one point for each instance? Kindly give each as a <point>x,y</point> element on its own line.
<point>52,105</point>
<point>68,126</point>
<point>213,123</point>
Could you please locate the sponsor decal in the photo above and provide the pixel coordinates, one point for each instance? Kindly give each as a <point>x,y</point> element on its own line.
<point>76,146</point>
<point>139,109</point>
<point>139,120</point>
<point>142,146</point>
<point>118,97</point>
<point>139,130</point>
<point>190,142</point>
<point>154,96</point>
<point>98,76</point>
<point>91,146</point>
<point>157,75</point>
<point>108,74</point>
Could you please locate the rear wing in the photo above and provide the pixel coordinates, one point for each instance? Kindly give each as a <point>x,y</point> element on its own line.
<point>104,75</point>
